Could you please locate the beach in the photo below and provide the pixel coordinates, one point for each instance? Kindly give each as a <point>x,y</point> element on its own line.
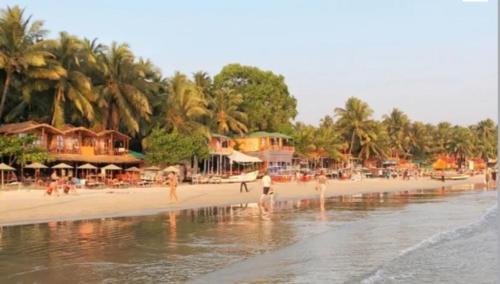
<point>31,206</point>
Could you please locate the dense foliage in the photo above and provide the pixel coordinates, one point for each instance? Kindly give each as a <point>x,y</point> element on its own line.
<point>69,80</point>
<point>174,148</point>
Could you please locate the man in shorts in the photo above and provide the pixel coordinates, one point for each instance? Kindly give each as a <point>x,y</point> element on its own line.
<point>266,186</point>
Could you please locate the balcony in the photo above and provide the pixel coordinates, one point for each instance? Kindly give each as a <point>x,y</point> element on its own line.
<point>277,148</point>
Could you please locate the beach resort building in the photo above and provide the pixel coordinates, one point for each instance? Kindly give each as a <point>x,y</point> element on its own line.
<point>76,144</point>
<point>274,149</point>
<point>223,158</point>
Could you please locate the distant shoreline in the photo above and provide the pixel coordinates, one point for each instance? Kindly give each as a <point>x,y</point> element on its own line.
<point>31,207</point>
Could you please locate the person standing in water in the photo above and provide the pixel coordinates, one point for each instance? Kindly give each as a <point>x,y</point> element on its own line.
<point>322,180</point>
<point>266,186</point>
<point>172,182</point>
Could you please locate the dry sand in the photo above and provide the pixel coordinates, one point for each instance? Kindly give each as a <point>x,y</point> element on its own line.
<point>31,206</point>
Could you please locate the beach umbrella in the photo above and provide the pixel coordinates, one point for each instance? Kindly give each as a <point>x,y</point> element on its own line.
<point>35,166</point>
<point>4,167</point>
<point>133,169</point>
<point>111,167</point>
<point>171,169</point>
<point>87,167</point>
<point>62,166</point>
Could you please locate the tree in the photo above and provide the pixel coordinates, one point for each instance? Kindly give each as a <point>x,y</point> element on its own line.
<point>266,100</point>
<point>72,92</point>
<point>225,112</point>
<point>374,142</point>
<point>485,139</point>
<point>22,150</point>
<point>174,148</point>
<point>397,124</point>
<point>420,140</point>
<point>354,120</point>
<point>303,138</point>
<point>22,51</point>
<point>329,140</point>
<point>184,106</point>
<point>461,144</point>
<point>122,92</point>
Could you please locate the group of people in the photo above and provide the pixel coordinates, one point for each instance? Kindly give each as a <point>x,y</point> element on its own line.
<point>67,184</point>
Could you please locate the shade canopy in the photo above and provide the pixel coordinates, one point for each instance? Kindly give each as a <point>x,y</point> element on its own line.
<point>5,167</point>
<point>171,169</point>
<point>152,168</point>
<point>62,166</point>
<point>111,167</point>
<point>87,166</point>
<point>238,157</point>
<point>36,166</point>
<point>133,169</point>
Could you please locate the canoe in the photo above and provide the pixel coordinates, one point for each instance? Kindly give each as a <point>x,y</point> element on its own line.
<point>247,177</point>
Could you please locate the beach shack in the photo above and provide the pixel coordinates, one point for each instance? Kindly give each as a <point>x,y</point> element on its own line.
<point>76,145</point>
<point>274,149</point>
<point>223,159</point>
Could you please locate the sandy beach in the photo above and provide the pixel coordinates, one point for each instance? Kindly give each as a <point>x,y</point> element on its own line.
<point>31,206</point>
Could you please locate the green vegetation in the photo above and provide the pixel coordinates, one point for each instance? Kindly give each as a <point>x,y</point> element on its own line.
<point>174,148</point>
<point>77,81</point>
<point>22,150</point>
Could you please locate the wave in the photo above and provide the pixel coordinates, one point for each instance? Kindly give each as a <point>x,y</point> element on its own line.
<point>486,220</point>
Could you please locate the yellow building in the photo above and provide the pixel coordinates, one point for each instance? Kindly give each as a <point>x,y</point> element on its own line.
<point>275,149</point>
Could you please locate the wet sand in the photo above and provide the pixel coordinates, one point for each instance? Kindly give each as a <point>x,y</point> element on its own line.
<point>31,206</point>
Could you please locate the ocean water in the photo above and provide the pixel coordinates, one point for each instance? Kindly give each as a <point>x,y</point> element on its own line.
<point>437,236</point>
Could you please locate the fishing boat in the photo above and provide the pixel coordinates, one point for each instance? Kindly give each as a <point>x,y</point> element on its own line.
<point>450,177</point>
<point>246,177</point>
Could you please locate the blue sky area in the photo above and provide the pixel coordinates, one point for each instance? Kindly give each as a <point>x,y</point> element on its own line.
<point>434,59</point>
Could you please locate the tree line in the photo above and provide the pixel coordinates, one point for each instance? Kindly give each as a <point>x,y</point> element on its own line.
<point>81,81</point>
<point>355,133</point>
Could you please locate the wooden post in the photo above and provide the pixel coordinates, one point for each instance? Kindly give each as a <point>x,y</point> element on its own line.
<point>112,144</point>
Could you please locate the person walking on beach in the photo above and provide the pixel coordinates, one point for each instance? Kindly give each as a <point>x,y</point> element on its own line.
<point>322,180</point>
<point>172,182</point>
<point>487,178</point>
<point>266,186</point>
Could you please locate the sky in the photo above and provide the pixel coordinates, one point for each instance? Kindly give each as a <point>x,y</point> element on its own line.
<point>434,59</point>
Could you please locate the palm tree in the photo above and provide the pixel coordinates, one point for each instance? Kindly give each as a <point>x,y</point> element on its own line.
<point>420,140</point>
<point>22,51</point>
<point>185,106</point>
<point>329,140</point>
<point>303,138</point>
<point>123,88</point>
<point>398,124</point>
<point>374,142</point>
<point>225,112</point>
<point>442,137</point>
<point>485,136</point>
<point>73,91</point>
<point>203,82</point>
<point>461,144</point>
<point>353,120</point>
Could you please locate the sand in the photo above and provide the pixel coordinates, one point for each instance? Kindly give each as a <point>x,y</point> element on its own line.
<point>31,206</point>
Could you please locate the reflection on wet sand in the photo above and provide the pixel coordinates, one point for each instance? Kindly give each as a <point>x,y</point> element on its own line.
<point>191,242</point>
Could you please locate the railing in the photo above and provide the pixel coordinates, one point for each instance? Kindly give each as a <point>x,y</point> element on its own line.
<point>278,148</point>
<point>115,151</point>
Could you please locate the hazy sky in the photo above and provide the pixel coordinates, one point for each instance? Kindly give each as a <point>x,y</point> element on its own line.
<point>435,60</point>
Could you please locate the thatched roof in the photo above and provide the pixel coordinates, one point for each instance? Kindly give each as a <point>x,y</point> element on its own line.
<point>115,133</point>
<point>14,128</point>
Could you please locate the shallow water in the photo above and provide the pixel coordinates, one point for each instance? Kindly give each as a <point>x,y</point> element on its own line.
<point>439,236</point>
